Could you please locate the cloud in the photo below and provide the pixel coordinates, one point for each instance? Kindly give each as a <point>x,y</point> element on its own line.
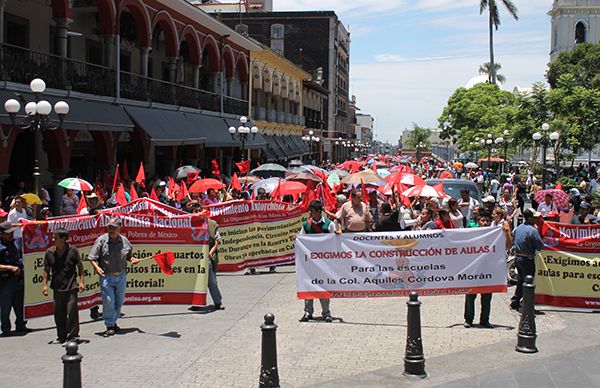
<point>393,58</point>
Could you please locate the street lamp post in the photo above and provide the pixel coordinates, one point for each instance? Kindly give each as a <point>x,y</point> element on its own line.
<point>241,134</point>
<point>37,120</point>
<point>554,136</point>
<point>544,138</point>
<point>420,147</point>
<point>310,139</point>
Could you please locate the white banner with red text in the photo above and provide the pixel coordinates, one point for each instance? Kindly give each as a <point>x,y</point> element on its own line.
<point>435,262</point>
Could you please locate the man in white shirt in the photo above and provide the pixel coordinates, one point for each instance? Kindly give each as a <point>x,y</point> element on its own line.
<point>15,215</point>
<point>467,204</point>
<point>547,206</point>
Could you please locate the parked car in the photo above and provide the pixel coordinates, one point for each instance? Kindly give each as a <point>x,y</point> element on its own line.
<point>452,187</point>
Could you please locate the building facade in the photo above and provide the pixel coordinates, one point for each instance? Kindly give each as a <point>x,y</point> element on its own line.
<point>318,43</point>
<point>573,22</point>
<point>211,6</point>
<point>153,81</point>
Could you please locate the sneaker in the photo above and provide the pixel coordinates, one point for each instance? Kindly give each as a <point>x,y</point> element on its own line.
<point>467,325</point>
<point>487,325</point>
<point>272,269</point>
<point>219,306</point>
<point>328,319</point>
<point>116,328</point>
<point>109,332</point>
<point>58,341</point>
<point>307,317</point>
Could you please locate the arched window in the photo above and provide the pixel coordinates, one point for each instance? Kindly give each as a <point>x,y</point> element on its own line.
<point>580,33</point>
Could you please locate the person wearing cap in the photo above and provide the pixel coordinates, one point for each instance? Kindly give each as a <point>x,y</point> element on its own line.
<point>161,192</point>
<point>489,203</point>
<point>526,240</point>
<point>62,264</point>
<point>584,217</point>
<point>11,280</point>
<point>109,256</point>
<point>547,206</point>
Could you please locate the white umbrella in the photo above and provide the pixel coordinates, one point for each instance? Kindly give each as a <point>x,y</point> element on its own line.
<point>471,165</point>
<point>422,191</point>
<point>269,184</point>
<point>268,170</point>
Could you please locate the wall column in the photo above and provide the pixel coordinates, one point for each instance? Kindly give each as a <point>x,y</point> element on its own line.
<point>61,36</point>
<point>144,54</point>
<point>196,76</point>
<point>109,51</point>
<point>2,7</point>
<point>172,69</point>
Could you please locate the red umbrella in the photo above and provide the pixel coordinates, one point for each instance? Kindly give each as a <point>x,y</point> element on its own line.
<point>412,180</point>
<point>202,185</point>
<point>423,191</point>
<point>559,197</point>
<point>402,168</point>
<point>289,188</point>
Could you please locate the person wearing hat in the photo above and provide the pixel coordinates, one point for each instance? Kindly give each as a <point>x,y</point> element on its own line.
<point>584,217</point>
<point>489,203</point>
<point>11,280</point>
<point>526,240</point>
<point>62,264</point>
<point>109,256</point>
<point>93,205</point>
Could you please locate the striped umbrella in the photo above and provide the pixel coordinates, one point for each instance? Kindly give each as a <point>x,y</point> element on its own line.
<point>76,184</point>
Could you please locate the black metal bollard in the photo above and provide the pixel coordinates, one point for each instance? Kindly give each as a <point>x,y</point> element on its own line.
<point>527,333</point>
<point>72,366</point>
<point>414,360</point>
<point>269,375</point>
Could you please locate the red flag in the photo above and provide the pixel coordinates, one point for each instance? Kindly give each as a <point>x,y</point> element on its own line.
<point>215,169</point>
<point>374,167</point>
<point>365,193</point>
<point>153,195</point>
<point>125,171</point>
<point>309,196</point>
<point>165,261</point>
<point>327,198</point>
<point>192,176</point>
<point>82,204</point>
<point>558,186</point>
<point>100,190</point>
<point>243,167</point>
<point>182,192</point>
<point>173,188</point>
<point>132,193</point>
<point>141,176</point>
<point>120,197</point>
<point>439,187</point>
<point>114,186</point>
<point>235,182</point>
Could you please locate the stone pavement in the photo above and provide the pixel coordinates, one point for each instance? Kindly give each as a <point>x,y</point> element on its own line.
<point>169,346</point>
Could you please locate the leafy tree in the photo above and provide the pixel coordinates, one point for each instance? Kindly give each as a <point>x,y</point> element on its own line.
<point>486,69</point>
<point>418,135</point>
<point>494,22</point>
<point>583,63</point>
<point>476,112</point>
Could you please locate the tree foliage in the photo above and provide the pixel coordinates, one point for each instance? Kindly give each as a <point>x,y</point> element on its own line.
<point>583,63</point>
<point>418,135</point>
<point>494,22</point>
<point>486,69</point>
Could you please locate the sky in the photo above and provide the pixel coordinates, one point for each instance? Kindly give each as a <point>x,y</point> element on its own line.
<point>407,57</point>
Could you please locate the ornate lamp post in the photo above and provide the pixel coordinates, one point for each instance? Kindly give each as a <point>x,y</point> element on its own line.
<point>241,134</point>
<point>310,139</point>
<point>37,120</point>
<point>420,147</point>
<point>543,138</point>
<point>554,137</point>
<point>505,143</point>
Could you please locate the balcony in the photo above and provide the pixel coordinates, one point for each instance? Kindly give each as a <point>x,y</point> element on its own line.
<point>21,65</point>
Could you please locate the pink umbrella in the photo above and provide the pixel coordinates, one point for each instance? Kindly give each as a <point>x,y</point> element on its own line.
<point>402,168</point>
<point>423,191</point>
<point>559,197</point>
<point>412,180</point>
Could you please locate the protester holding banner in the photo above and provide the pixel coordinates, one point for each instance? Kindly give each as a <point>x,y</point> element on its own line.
<point>62,264</point>
<point>109,257</point>
<point>316,223</point>
<point>354,215</point>
<point>11,280</point>
<point>527,241</point>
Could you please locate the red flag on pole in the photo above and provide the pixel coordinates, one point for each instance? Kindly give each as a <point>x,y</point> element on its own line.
<point>141,176</point>
<point>309,195</point>
<point>235,182</point>
<point>132,193</point>
<point>365,193</point>
<point>192,176</point>
<point>215,169</point>
<point>120,197</point>
<point>153,195</point>
<point>165,261</point>
<point>244,167</point>
<point>183,192</point>
<point>82,204</point>
<point>116,180</point>
<point>125,171</point>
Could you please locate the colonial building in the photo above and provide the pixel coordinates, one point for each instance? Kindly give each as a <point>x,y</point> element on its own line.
<point>573,22</point>
<point>315,98</point>
<point>234,6</point>
<point>317,41</point>
<point>157,81</point>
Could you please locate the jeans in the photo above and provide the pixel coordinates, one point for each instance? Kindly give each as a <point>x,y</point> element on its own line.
<point>486,302</point>
<point>66,314</point>
<point>525,266</point>
<point>113,296</point>
<point>213,287</point>
<point>309,306</point>
<point>11,297</point>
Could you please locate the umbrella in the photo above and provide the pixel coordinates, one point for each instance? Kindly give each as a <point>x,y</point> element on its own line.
<point>76,184</point>
<point>269,170</point>
<point>183,171</point>
<point>304,176</point>
<point>202,185</point>
<point>471,165</point>
<point>412,180</point>
<point>295,163</point>
<point>383,172</point>
<point>367,176</point>
<point>32,199</point>
<point>559,197</point>
<point>458,164</point>
<point>402,168</point>
<point>423,191</point>
<point>333,180</point>
<point>269,184</point>
<point>248,179</point>
<point>339,173</point>
<point>289,188</point>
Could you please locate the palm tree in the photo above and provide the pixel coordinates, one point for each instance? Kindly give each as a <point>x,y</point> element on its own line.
<point>494,22</point>
<point>486,69</point>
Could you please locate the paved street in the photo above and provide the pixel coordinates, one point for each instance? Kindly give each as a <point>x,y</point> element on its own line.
<point>169,346</point>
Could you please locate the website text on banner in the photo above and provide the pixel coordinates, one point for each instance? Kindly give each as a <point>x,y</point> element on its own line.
<point>256,234</point>
<point>186,236</point>
<point>568,268</point>
<point>437,262</point>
